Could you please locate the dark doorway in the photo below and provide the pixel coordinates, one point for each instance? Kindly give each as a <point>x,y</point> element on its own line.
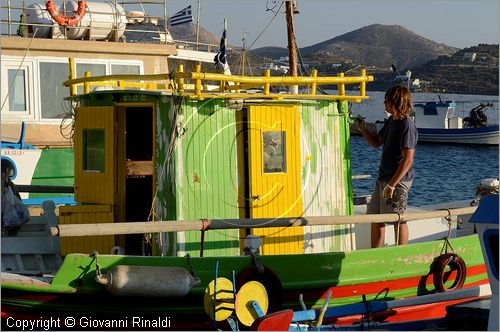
<point>139,178</point>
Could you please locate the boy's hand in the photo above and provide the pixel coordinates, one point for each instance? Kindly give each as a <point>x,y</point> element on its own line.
<point>388,192</point>
<point>361,123</point>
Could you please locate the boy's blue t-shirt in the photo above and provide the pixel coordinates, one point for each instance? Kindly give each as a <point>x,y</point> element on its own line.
<point>398,135</point>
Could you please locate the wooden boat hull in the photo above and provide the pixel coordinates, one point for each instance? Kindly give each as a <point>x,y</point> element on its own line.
<point>382,274</point>
<point>483,135</point>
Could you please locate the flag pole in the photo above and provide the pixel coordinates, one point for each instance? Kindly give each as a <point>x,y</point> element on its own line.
<point>226,65</point>
<point>198,25</point>
<point>165,19</point>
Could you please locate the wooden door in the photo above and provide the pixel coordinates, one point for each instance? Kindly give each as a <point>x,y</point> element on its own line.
<point>95,171</point>
<point>274,171</point>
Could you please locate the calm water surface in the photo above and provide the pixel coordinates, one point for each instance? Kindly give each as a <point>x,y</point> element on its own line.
<point>444,172</point>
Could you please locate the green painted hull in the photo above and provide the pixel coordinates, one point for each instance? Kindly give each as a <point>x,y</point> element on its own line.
<point>54,168</point>
<point>384,274</point>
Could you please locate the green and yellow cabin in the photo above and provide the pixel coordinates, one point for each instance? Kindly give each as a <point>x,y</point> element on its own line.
<point>177,150</point>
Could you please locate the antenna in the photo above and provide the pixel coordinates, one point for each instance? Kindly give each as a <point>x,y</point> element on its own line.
<point>408,76</point>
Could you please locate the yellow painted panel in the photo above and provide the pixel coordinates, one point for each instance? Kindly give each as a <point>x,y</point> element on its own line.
<point>274,134</point>
<point>85,214</point>
<point>95,186</point>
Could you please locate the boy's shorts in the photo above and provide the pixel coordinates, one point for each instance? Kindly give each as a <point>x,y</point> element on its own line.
<point>397,203</point>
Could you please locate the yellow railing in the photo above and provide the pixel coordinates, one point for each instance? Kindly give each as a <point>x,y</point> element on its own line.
<point>195,84</point>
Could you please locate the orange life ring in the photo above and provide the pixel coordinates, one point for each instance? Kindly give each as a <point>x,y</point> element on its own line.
<point>455,262</point>
<point>66,20</point>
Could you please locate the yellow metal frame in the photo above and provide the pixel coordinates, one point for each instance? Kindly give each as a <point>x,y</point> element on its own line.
<point>190,84</point>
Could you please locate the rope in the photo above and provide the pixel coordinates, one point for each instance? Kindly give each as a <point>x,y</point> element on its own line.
<point>165,169</point>
<point>97,266</point>
<point>191,267</point>
<point>268,24</point>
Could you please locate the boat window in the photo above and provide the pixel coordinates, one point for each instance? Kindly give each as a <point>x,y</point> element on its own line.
<point>17,94</point>
<point>95,69</point>
<point>17,90</point>
<point>122,69</point>
<point>52,92</point>
<point>93,150</point>
<point>125,69</point>
<point>430,110</point>
<point>274,151</point>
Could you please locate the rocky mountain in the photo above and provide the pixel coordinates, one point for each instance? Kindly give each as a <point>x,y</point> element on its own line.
<point>374,45</point>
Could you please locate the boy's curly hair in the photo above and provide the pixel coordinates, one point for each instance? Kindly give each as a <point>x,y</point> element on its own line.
<point>399,98</point>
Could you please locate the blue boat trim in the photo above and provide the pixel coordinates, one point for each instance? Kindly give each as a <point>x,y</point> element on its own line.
<point>70,200</point>
<point>487,211</point>
<point>455,131</point>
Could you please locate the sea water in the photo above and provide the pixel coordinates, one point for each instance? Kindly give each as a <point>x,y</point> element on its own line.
<point>444,172</point>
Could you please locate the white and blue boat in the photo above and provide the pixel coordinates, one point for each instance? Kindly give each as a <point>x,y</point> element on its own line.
<point>437,122</point>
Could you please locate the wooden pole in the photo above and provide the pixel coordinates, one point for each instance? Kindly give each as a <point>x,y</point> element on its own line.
<point>292,47</point>
<point>140,227</point>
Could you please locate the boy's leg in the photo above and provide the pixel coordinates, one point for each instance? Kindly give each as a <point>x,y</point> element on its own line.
<point>398,204</point>
<point>378,235</point>
<point>377,229</point>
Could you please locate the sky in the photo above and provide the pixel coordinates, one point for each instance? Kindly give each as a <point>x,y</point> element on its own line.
<point>457,23</point>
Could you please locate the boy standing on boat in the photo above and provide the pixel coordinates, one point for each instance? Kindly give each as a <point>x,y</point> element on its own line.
<point>396,171</point>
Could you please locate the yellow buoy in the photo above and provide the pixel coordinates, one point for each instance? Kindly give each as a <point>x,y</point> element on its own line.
<point>223,298</point>
<point>250,291</point>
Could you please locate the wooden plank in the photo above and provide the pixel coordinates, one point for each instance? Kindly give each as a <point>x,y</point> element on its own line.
<point>139,167</point>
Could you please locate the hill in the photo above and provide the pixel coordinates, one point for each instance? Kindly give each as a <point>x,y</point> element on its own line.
<point>472,70</point>
<point>374,45</point>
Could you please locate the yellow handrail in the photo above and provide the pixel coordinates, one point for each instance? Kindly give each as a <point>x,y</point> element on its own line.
<point>190,84</point>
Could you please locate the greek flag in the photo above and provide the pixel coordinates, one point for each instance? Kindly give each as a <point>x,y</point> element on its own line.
<point>181,17</point>
<point>220,58</point>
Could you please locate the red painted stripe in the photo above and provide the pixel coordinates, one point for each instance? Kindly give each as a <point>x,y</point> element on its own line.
<point>398,284</point>
<point>384,286</point>
<point>404,314</point>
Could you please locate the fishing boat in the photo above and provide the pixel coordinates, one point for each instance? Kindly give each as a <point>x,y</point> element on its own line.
<point>438,122</point>
<point>215,171</point>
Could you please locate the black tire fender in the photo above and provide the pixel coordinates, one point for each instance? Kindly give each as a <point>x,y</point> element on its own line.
<point>455,262</point>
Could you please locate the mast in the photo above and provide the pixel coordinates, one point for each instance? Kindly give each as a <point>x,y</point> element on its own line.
<point>292,47</point>
<point>243,55</point>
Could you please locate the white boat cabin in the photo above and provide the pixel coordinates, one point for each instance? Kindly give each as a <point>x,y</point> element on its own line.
<point>440,115</point>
